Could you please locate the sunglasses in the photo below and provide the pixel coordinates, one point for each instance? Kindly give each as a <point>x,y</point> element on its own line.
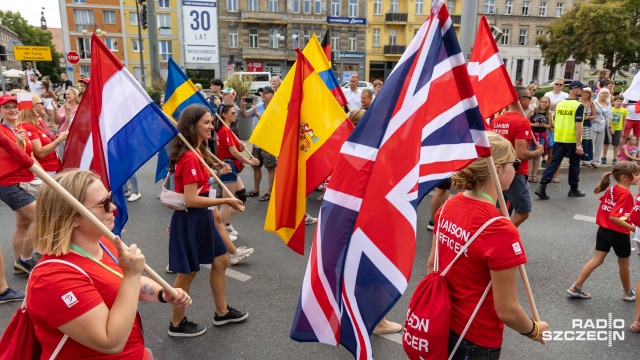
<point>558,84</point>
<point>527,97</point>
<point>106,203</point>
<point>516,164</point>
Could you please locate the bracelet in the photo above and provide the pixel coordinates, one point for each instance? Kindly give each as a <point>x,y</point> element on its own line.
<point>532,329</point>
<point>533,337</point>
<point>160,292</point>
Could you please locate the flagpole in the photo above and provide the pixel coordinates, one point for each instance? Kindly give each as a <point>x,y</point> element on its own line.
<point>234,135</point>
<point>87,214</point>
<point>505,212</point>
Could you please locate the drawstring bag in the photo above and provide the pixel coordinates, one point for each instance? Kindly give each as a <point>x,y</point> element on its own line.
<point>426,328</point>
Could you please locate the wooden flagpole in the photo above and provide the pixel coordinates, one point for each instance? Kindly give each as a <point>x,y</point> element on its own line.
<point>234,135</point>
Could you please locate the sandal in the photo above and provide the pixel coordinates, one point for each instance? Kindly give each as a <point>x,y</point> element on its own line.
<point>578,293</point>
<point>534,179</point>
<point>529,178</point>
<point>253,194</point>
<point>635,327</point>
<point>265,197</point>
<point>556,180</point>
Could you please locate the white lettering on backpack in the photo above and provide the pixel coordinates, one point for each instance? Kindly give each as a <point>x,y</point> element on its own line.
<point>422,325</point>
<point>69,299</point>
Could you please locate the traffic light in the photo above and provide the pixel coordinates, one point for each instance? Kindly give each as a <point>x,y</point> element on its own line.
<point>143,16</point>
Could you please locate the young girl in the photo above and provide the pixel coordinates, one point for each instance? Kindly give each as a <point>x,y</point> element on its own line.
<point>614,230</point>
<point>629,151</point>
<point>540,122</point>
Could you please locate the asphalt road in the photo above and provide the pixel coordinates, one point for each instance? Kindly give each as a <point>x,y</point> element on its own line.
<point>268,284</point>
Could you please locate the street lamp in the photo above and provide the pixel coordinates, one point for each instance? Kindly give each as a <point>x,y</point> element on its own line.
<point>281,37</point>
<point>97,30</point>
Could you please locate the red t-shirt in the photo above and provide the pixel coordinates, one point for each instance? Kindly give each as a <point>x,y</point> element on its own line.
<point>513,126</point>
<point>46,137</point>
<point>20,174</point>
<point>617,202</point>
<point>497,248</point>
<point>189,169</point>
<point>225,139</point>
<point>634,217</point>
<point>59,293</point>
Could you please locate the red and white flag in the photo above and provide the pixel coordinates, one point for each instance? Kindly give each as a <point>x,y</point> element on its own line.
<point>24,101</point>
<point>489,76</point>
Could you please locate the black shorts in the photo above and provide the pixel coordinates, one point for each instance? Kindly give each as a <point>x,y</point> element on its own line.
<point>445,185</point>
<point>607,239</point>
<point>612,139</point>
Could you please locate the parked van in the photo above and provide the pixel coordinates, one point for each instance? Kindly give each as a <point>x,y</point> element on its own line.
<point>260,79</point>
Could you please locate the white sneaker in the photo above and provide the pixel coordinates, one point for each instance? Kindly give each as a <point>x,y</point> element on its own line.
<point>242,253</point>
<point>127,193</point>
<point>134,197</point>
<point>231,230</point>
<point>320,187</point>
<point>309,220</point>
<point>233,238</point>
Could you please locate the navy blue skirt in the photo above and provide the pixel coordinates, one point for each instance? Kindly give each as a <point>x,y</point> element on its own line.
<point>193,240</point>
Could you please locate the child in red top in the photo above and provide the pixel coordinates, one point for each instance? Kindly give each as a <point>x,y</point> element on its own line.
<point>615,206</point>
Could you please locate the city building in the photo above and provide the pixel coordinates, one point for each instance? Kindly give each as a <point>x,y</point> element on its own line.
<point>261,35</point>
<point>521,22</point>
<point>6,36</point>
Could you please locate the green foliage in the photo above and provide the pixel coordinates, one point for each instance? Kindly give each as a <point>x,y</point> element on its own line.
<point>33,36</point>
<point>241,84</point>
<point>595,28</point>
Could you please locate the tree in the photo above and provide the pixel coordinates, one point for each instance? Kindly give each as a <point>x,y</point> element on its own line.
<point>33,36</point>
<point>595,28</point>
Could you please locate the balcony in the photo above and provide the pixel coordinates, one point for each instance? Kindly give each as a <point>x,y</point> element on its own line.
<point>264,53</point>
<point>394,49</point>
<point>260,16</point>
<point>396,17</point>
<point>456,19</point>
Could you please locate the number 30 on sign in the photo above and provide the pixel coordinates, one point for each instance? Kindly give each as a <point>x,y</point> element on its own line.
<point>200,31</point>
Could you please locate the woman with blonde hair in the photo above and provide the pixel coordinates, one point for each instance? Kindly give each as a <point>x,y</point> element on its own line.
<point>600,126</point>
<point>490,258</point>
<point>587,118</point>
<point>67,113</point>
<point>85,288</point>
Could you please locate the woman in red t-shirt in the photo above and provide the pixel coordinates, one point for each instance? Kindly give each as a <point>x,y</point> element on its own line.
<point>193,238</point>
<point>228,152</point>
<point>14,186</point>
<point>42,138</point>
<point>614,229</point>
<point>493,257</point>
<point>98,310</point>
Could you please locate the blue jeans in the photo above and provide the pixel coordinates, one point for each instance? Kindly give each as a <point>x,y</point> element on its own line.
<point>560,150</point>
<point>470,351</point>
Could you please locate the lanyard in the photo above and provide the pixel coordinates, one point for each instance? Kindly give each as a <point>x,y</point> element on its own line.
<point>46,129</point>
<point>24,142</point>
<point>78,250</point>
<point>485,195</point>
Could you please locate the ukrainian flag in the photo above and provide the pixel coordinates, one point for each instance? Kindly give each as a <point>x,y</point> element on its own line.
<point>179,93</point>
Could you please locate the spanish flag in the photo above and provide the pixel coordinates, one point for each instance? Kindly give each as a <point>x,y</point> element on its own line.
<point>310,128</point>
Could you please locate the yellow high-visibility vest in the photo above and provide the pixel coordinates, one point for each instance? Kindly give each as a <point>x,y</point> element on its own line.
<point>565,121</point>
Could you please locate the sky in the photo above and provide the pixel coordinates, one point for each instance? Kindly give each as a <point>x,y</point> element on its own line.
<point>30,10</point>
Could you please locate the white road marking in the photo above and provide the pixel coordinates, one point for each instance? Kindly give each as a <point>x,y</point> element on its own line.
<point>233,274</point>
<point>395,337</point>
<point>584,218</point>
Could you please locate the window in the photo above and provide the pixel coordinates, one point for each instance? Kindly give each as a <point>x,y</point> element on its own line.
<point>296,6</point>
<point>163,3</point>
<point>109,17</point>
<point>506,36</point>
<point>451,6</point>
<point>353,8</point>
<point>539,32</point>
<point>335,7</point>
<point>420,6</point>
<point>273,5</point>
<point>232,5</point>
<point>112,44</point>
<point>489,7</point>
<point>133,18</point>
<point>82,19</point>
<point>306,37</point>
<point>84,48</point>
<point>522,39</point>
<point>519,66</point>
<point>536,69</point>
<point>377,7</point>
<point>295,39</point>
<point>376,37</point>
<point>164,24</point>
<point>543,9</point>
<point>335,41</point>
<point>135,45</point>
<point>317,6</point>
<point>79,1</point>
<point>508,7</point>
<point>85,70</point>
<point>525,8</point>
<point>394,6</point>
<point>559,9</point>
<point>233,37</point>
<point>353,41</point>
<point>392,37</point>
<point>166,49</point>
<point>253,38</point>
<point>253,5</point>
<point>273,38</point>
<point>552,72</point>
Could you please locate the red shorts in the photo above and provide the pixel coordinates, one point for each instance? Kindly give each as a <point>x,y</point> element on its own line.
<point>632,124</point>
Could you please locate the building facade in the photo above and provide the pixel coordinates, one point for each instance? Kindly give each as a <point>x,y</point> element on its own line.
<point>521,23</point>
<point>6,35</point>
<point>261,35</point>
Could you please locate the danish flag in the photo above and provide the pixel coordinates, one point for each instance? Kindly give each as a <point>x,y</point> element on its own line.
<point>364,244</point>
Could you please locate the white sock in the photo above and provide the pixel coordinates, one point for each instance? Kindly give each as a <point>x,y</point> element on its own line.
<point>25,259</point>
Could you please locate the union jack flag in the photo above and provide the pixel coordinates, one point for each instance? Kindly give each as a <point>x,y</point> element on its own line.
<point>422,127</point>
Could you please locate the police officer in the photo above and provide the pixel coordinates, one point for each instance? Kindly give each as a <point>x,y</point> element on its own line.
<point>568,141</point>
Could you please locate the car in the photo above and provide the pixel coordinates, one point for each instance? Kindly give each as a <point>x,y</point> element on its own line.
<point>260,79</point>
<point>8,85</point>
<point>361,85</point>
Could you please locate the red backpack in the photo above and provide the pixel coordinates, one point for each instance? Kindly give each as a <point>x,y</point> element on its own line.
<point>426,328</point>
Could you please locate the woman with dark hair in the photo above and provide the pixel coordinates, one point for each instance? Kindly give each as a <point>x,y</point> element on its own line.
<point>50,104</point>
<point>193,238</point>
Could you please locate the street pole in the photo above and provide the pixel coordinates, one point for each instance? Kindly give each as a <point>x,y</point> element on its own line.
<point>152,20</point>
<point>4,89</point>
<point>140,45</point>
<point>468,27</point>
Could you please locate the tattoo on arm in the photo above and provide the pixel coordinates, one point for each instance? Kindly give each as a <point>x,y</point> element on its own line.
<point>145,288</point>
<point>152,290</point>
